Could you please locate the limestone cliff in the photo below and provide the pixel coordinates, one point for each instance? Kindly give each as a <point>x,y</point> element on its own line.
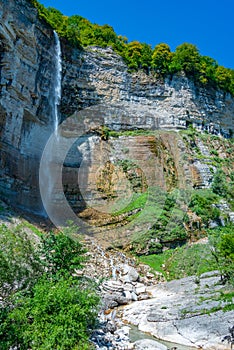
<point>96,81</point>
<point>26,87</point>
<point>137,100</point>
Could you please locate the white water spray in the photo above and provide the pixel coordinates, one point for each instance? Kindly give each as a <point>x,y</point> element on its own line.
<point>49,166</point>
<point>57,81</point>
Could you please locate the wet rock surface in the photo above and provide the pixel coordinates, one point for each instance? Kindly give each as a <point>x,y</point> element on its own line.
<point>185,311</point>
<point>147,344</point>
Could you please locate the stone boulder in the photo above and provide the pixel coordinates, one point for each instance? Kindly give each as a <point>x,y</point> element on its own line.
<point>147,344</point>
<point>128,273</point>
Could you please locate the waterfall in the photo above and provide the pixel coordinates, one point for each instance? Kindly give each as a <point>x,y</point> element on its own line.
<point>49,165</point>
<point>113,269</point>
<point>57,81</point>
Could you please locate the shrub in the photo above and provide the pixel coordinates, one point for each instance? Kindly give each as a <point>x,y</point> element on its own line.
<point>56,315</point>
<point>62,254</point>
<point>219,184</point>
<point>222,247</point>
<point>202,203</point>
<point>50,308</point>
<point>19,260</point>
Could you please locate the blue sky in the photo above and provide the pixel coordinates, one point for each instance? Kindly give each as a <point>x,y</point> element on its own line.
<point>208,24</point>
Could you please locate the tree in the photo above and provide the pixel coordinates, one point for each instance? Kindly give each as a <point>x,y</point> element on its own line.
<point>133,54</point>
<point>19,261</point>
<point>222,248</point>
<point>202,203</point>
<point>58,309</point>
<point>186,58</point>
<point>161,58</point>
<point>223,77</point>
<point>219,183</point>
<point>72,31</point>
<point>56,315</point>
<point>207,69</point>
<point>104,35</point>
<point>146,57</point>
<point>62,254</point>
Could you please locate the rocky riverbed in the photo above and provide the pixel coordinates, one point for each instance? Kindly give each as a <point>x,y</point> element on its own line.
<point>191,311</point>
<point>188,312</point>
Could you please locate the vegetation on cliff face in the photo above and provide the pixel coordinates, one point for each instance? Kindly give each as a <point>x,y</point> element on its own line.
<point>205,209</point>
<point>44,305</point>
<point>189,214</point>
<point>196,259</point>
<point>159,61</point>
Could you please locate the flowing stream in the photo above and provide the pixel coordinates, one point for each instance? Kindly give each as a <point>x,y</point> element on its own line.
<point>135,335</point>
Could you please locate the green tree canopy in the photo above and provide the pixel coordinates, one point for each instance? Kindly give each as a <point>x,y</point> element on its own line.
<point>62,254</point>
<point>161,58</point>
<point>186,58</point>
<point>79,32</point>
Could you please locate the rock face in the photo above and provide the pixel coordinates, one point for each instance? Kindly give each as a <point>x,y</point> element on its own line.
<point>26,85</point>
<point>99,76</point>
<point>183,312</point>
<point>95,81</point>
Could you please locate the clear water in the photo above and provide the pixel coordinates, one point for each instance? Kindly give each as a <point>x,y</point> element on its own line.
<point>135,335</point>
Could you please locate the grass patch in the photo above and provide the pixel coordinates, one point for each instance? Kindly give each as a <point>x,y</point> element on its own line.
<point>182,261</point>
<point>33,228</point>
<point>138,132</point>
<point>138,202</point>
<point>157,261</point>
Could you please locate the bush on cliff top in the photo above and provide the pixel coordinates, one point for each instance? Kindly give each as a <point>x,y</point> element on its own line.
<point>80,32</point>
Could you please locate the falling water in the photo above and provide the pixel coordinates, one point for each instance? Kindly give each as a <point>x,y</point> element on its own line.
<point>113,269</point>
<point>57,81</point>
<point>49,165</point>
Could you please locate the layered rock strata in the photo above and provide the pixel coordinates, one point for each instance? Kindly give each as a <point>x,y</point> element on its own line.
<point>97,83</point>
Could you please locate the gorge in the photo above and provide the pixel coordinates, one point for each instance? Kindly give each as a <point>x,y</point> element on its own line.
<point>140,163</point>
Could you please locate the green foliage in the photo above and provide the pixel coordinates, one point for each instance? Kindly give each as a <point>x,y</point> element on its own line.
<point>182,261</point>
<point>207,69</point>
<point>136,132</point>
<point>164,215</point>
<point>186,58</point>
<point>61,254</point>
<point>146,57</point>
<point>202,204</point>
<point>19,260</point>
<point>222,243</point>
<point>169,226</point>
<point>161,59</point>
<point>157,261</point>
<point>138,201</point>
<point>81,33</point>
<point>196,259</point>
<point>219,183</point>
<point>56,315</point>
<point>223,77</point>
<point>48,307</point>
<point>190,260</point>
<point>138,55</point>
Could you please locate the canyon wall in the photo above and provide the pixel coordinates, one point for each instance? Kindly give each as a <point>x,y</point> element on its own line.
<point>26,88</point>
<point>97,90</point>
